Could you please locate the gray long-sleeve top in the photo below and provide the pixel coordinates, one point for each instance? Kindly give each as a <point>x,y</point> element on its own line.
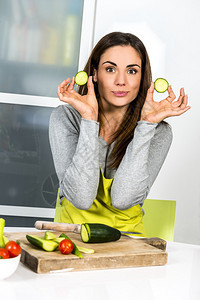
<point>78,151</point>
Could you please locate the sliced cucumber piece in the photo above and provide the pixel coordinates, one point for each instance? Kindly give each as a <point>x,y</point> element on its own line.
<point>39,242</point>
<point>85,250</point>
<point>161,85</point>
<point>49,235</point>
<point>81,78</point>
<point>58,239</point>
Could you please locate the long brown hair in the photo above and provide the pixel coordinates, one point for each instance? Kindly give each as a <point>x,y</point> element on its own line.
<point>125,133</point>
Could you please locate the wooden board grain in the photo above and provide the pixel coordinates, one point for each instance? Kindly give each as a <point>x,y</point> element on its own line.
<point>124,253</point>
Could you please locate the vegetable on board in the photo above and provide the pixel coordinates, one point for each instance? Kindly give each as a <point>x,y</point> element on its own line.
<point>51,236</point>
<point>66,246</point>
<point>39,242</point>
<point>50,242</point>
<point>99,233</point>
<point>48,235</point>
<point>85,250</point>
<point>75,250</point>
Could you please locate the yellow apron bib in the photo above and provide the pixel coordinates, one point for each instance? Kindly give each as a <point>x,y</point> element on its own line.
<point>102,211</point>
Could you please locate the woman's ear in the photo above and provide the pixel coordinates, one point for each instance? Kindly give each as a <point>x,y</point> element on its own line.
<point>94,77</point>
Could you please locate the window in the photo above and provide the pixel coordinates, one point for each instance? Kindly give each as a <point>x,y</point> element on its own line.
<point>40,42</point>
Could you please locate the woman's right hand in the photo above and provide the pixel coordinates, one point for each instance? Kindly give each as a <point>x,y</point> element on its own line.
<point>86,105</point>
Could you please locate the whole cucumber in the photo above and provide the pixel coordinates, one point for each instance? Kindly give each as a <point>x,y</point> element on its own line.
<point>99,233</point>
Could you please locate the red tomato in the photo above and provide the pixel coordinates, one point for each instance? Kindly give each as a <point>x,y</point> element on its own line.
<point>4,253</point>
<point>66,246</point>
<point>13,248</point>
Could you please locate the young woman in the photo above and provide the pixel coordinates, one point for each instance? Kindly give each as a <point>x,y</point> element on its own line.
<point>109,140</point>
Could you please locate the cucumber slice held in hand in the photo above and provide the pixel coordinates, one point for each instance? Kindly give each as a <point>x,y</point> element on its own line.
<point>81,78</point>
<point>161,85</point>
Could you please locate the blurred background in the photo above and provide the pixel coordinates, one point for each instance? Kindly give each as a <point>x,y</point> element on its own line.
<point>42,43</point>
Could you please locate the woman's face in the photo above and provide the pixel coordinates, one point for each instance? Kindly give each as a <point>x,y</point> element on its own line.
<point>118,76</point>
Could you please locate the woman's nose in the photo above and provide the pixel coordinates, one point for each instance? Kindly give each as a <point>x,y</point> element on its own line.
<point>120,79</point>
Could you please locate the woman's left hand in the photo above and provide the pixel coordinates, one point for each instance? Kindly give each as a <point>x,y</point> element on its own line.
<point>155,112</point>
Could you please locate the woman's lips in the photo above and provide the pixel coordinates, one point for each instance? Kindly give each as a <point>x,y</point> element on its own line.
<point>120,93</point>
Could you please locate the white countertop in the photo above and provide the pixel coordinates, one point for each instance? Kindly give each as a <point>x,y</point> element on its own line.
<point>179,279</point>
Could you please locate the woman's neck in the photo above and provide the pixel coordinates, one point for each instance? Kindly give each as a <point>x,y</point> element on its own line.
<point>111,121</point>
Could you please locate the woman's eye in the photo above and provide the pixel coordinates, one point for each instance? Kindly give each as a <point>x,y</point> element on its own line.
<point>132,71</point>
<point>110,69</point>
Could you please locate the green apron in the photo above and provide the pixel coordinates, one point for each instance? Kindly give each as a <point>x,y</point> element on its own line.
<point>102,211</point>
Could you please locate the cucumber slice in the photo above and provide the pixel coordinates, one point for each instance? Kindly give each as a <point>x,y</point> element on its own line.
<point>81,78</point>
<point>161,85</point>
<point>85,250</point>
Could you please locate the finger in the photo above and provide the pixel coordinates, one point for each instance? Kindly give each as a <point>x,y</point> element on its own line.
<point>181,111</point>
<point>60,86</point>
<point>90,86</point>
<point>181,100</point>
<point>150,92</point>
<point>182,92</point>
<point>184,97</point>
<point>184,102</point>
<point>171,96</point>
<point>71,85</point>
<point>63,85</point>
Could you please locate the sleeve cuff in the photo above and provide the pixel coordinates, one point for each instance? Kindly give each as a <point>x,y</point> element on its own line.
<point>147,123</point>
<point>89,121</point>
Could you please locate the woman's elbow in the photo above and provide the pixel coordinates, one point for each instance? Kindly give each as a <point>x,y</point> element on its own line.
<point>123,203</point>
<point>82,200</point>
<point>120,206</point>
<point>82,205</point>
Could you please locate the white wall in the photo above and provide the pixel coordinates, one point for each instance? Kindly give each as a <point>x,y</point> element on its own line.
<point>170,31</point>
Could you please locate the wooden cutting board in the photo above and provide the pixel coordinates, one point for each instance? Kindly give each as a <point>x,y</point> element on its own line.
<point>124,253</point>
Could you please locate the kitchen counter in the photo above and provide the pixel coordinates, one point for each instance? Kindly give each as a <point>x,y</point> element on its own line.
<point>179,279</point>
